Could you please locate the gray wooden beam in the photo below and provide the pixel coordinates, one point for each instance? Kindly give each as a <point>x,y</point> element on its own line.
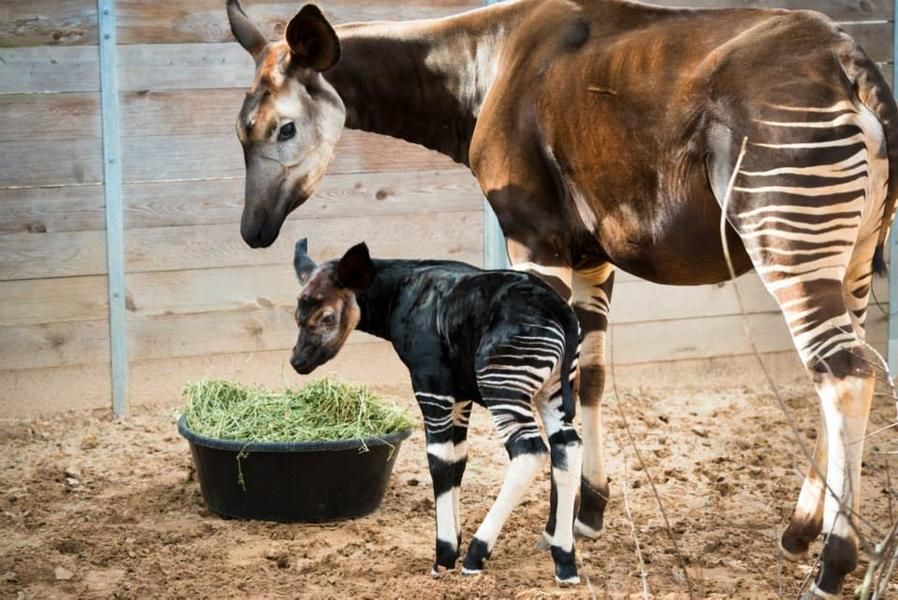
<point>893,240</point>
<point>112,192</point>
<point>495,254</point>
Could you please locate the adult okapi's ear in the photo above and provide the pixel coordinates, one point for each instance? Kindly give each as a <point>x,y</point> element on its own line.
<point>312,40</point>
<point>356,270</point>
<point>244,30</point>
<point>302,262</point>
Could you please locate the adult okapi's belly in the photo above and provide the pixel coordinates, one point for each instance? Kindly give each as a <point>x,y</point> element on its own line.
<point>667,240</point>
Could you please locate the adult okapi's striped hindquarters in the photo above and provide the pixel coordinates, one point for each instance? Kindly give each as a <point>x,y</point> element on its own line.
<point>811,204</point>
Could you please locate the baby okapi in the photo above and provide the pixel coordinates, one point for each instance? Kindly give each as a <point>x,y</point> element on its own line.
<point>503,339</point>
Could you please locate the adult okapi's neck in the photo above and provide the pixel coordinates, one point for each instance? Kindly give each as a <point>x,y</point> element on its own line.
<point>421,81</point>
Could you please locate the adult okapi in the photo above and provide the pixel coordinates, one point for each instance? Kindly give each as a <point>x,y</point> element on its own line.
<point>605,134</point>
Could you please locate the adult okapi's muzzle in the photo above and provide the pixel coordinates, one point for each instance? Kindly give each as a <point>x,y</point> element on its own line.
<point>265,205</point>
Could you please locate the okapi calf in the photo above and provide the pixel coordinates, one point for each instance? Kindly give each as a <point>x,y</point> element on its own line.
<point>503,339</point>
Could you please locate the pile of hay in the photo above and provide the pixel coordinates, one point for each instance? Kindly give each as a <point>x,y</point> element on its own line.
<point>325,410</point>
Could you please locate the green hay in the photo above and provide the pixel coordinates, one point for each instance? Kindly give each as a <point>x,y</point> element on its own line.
<point>325,410</point>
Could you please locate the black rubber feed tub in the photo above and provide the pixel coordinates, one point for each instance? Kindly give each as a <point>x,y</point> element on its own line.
<point>311,482</point>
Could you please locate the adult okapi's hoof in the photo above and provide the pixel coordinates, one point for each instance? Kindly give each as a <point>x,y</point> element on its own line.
<point>816,594</point>
<point>788,554</point>
<point>591,515</point>
<point>798,537</point>
<point>582,530</point>
<point>837,559</point>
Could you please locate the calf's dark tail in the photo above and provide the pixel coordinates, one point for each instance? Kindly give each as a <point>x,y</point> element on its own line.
<point>571,353</point>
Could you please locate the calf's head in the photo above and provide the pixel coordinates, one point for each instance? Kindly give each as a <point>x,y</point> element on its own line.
<point>327,311</point>
<point>290,121</point>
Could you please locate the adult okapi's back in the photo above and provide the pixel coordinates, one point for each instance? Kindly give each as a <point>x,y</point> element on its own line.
<point>605,134</point>
<point>617,153</point>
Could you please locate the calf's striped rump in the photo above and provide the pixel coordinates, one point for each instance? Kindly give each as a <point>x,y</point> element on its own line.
<point>516,373</point>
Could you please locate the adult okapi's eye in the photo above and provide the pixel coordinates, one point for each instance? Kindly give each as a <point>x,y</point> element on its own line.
<point>328,320</point>
<point>287,131</point>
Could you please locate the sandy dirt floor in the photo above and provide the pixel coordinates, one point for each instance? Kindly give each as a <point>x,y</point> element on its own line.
<point>92,508</point>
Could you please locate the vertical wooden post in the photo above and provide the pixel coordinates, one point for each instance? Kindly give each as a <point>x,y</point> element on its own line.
<point>893,239</point>
<point>495,255</point>
<point>112,193</point>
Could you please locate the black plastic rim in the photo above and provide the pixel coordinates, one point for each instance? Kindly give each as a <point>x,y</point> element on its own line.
<point>322,446</point>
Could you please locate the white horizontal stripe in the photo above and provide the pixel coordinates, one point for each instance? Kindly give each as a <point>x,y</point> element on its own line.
<point>448,399</point>
<point>857,185</point>
<point>787,282</point>
<point>824,209</point>
<point>844,119</point>
<point>838,106</point>
<point>512,408</point>
<point>798,224</point>
<point>854,139</point>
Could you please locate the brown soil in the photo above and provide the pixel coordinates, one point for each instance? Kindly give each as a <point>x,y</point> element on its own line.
<point>92,508</point>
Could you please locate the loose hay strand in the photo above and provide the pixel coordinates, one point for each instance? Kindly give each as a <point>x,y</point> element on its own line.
<point>324,410</point>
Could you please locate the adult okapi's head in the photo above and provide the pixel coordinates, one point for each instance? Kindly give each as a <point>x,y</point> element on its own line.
<point>290,121</point>
<point>327,311</point>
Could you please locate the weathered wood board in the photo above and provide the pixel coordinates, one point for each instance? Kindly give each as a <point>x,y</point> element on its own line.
<point>199,301</point>
<point>73,22</point>
<point>220,201</point>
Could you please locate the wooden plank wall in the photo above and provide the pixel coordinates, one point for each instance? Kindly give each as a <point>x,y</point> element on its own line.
<point>195,291</point>
<point>199,301</point>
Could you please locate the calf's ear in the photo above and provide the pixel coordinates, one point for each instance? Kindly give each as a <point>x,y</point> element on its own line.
<point>302,262</point>
<point>356,270</point>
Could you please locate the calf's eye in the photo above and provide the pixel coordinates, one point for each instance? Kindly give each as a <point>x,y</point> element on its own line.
<point>287,131</point>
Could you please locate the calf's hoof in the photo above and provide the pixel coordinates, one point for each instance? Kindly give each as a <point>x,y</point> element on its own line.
<point>478,553</point>
<point>438,571</point>
<point>570,581</point>
<point>565,566</point>
<point>447,555</point>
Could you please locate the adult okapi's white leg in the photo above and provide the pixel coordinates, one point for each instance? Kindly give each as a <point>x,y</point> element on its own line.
<point>846,406</point>
<point>806,521</point>
<point>808,205</point>
<point>591,298</point>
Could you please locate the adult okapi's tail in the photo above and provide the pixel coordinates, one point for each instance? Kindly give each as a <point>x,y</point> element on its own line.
<point>571,354</point>
<point>874,93</point>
